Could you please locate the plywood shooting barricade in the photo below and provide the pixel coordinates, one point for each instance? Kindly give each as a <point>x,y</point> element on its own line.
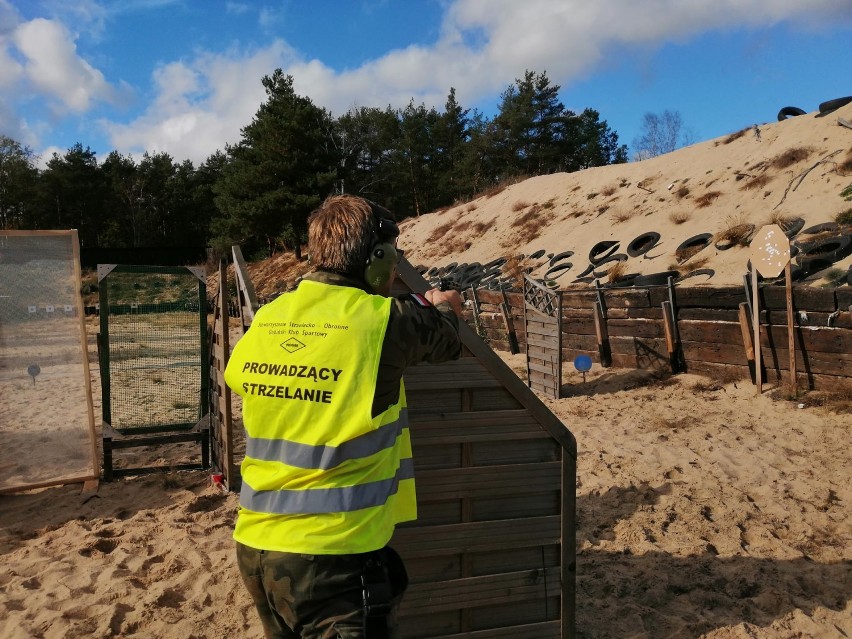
<point>492,553</point>
<point>47,430</point>
<point>696,329</point>
<point>154,361</point>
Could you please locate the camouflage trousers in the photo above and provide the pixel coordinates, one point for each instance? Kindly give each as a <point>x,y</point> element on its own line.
<point>317,596</point>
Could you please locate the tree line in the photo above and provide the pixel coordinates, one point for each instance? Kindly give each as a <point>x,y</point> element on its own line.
<point>259,191</point>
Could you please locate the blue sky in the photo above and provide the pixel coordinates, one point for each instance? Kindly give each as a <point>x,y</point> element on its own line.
<point>183,76</point>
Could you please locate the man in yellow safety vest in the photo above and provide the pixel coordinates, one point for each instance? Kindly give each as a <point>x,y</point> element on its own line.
<point>328,471</point>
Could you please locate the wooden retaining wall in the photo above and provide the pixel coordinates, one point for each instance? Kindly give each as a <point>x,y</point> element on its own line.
<point>707,326</point>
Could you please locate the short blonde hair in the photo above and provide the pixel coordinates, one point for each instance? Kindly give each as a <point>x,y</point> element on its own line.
<point>341,233</point>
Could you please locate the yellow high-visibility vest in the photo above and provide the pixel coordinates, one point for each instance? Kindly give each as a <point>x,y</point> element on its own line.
<point>321,475</point>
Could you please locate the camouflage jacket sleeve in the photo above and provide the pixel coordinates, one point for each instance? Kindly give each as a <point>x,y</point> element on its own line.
<point>415,334</point>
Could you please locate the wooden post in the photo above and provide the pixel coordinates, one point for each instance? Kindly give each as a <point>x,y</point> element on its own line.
<point>604,349</point>
<point>671,341</point>
<point>510,325</point>
<point>745,327</point>
<point>755,323</point>
<point>476,323</point>
<point>791,328</point>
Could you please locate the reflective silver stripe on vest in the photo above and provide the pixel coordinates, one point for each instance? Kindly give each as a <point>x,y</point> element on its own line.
<point>325,500</point>
<point>324,457</point>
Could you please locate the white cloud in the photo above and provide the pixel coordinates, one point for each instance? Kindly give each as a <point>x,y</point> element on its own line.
<point>201,103</point>
<point>53,67</point>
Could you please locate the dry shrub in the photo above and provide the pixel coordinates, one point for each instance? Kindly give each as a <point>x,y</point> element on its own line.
<point>782,219</point>
<point>471,207</point>
<point>477,227</point>
<point>837,400</point>
<point>529,225</point>
<point>739,234</point>
<point>735,136</point>
<point>549,204</point>
<point>844,217</point>
<point>846,165</point>
<point>607,191</point>
<point>592,196</point>
<point>707,199</point>
<point>684,254</point>
<point>737,230</point>
<point>519,206</point>
<point>602,209</point>
<point>791,157</point>
<point>439,232</point>
<point>576,213</point>
<point>622,216</point>
<point>495,190</point>
<point>514,269</point>
<point>619,269</point>
<point>682,192</point>
<point>756,182</point>
<point>678,217</point>
<point>726,374</point>
<point>687,265</point>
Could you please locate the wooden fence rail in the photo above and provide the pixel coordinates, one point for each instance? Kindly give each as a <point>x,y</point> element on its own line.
<point>698,329</point>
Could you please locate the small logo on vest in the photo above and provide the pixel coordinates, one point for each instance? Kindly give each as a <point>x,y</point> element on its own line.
<point>292,345</point>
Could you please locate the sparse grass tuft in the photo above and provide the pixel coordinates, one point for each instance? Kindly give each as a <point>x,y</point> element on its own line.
<point>679,217</point>
<point>592,196</point>
<point>738,234</point>
<point>844,217</point>
<point>682,255</point>
<point>707,199</point>
<point>835,277</point>
<point>619,269</point>
<point>846,166</point>
<point>791,157</point>
<point>735,136</point>
<point>440,232</point>
<point>622,216</point>
<point>837,400</point>
<point>520,205</point>
<point>682,192</point>
<point>687,265</point>
<point>607,191</point>
<point>514,270</point>
<point>757,182</point>
<point>495,190</point>
<point>529,225</point>
<point>727,374</point>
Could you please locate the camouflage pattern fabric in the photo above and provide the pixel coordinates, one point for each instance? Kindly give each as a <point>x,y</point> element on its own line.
<point>315,596</point>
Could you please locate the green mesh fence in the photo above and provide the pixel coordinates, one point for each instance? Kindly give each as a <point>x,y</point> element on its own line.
<point>46,424</point>
<point>154,369</point>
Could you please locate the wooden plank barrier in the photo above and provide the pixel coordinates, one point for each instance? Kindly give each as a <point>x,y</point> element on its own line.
<point>707,331</point>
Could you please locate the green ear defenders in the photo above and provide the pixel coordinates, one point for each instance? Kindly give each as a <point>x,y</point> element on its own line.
<point>383,256</point>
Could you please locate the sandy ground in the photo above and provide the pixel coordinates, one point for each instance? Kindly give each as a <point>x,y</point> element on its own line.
<point>703,511</point>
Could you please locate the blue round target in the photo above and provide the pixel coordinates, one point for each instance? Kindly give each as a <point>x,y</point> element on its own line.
<point>583,363</point>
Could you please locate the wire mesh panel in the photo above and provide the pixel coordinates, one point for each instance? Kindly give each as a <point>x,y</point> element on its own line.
<point>154,368</point>
<point>46,421</point>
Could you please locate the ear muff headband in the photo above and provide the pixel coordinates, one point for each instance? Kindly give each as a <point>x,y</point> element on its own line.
<point>383,255</point>
<point>380,265</point>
